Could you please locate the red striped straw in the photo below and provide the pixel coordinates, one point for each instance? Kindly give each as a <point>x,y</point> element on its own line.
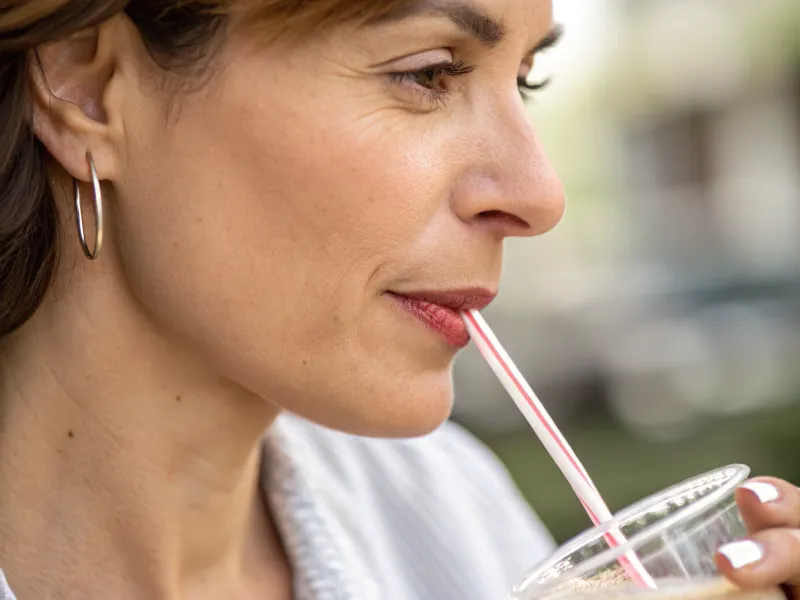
<point>558,448</point>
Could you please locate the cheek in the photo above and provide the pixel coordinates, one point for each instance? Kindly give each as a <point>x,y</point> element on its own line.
<point>352,195</point>
<point>272,201</point>
<point>256,234</point>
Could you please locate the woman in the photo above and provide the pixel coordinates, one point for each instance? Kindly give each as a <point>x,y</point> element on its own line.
<point>284,206</point>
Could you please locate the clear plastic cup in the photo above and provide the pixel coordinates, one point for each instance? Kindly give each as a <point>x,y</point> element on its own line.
<point>674,533</point>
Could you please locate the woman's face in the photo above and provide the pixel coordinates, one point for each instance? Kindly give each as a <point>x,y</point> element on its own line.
<point>278,219</point>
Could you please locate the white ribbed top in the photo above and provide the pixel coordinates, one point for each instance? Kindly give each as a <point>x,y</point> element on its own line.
<point>433,518</point>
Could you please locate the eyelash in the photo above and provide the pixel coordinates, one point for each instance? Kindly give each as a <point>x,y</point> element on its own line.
<point>527,88</point>
<point>434,73</point>
<point>456,69</point>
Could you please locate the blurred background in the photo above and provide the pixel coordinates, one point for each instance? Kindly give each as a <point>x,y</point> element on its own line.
<point>660,322</point>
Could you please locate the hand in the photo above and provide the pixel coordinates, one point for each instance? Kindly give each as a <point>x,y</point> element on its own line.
<point>770,555</point>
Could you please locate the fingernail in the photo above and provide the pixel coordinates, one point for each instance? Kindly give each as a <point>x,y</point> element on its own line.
<point>766,492</point>
<point>742,553</point>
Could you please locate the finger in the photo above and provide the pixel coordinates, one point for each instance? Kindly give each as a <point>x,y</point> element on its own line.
<point>767,502</point>
<point>768,558</point>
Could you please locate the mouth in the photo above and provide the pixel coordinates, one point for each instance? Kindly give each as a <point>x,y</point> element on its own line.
<point>441,311</point>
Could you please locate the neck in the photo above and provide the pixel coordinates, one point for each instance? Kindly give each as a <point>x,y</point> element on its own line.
<point>130,467</point>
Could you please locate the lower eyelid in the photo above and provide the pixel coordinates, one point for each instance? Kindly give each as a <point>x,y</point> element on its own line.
<point>417,98</point>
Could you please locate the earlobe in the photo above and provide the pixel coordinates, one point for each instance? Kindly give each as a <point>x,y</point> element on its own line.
<point>70,81</point>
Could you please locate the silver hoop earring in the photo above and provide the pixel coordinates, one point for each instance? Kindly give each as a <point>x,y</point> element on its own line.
<point>98,212</point>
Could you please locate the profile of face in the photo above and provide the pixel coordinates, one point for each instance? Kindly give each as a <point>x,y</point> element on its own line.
<point>271,221</point>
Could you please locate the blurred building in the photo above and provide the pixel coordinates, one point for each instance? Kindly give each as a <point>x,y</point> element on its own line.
<point>670,294</point>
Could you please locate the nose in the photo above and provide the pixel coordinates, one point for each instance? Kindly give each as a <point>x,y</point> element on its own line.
<point>508,185</point>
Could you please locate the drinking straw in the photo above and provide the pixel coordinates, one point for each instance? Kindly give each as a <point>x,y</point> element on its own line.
<point>552,439</point>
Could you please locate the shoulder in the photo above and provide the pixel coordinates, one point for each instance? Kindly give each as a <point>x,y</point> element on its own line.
<point>444,495</point>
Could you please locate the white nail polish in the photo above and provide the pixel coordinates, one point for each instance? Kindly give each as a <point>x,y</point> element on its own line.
<point>742,553</point>
<point>766,492</point>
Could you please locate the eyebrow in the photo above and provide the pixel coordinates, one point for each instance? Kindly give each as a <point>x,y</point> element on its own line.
<point>550,39</point>
<point>470,19</point>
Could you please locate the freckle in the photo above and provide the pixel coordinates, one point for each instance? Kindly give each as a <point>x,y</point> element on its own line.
<point>305,362</point>
<point>71,433</point>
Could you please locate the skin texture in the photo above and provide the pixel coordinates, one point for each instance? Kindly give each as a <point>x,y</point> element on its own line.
<point>254,221</point>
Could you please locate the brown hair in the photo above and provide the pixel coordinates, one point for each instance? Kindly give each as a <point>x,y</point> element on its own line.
<point>175,32</point>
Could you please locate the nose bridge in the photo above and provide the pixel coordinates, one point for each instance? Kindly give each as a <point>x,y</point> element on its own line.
<point>524,183</point>
<point>525,170</point>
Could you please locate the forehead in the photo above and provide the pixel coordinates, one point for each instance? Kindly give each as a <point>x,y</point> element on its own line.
<point>298,17</point>
<point>492,7</point>
<point>486,20</point>
<point>301,18</point>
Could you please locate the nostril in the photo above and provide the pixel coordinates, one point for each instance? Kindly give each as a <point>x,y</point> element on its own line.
<point>503,217</point>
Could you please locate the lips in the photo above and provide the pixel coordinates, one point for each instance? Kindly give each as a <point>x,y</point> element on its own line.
<point>441,311</point>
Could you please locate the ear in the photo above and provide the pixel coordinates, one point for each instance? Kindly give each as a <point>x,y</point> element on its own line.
<point>77,102</point>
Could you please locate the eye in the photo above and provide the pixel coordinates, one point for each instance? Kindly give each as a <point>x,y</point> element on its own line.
<point>527,88</point>
<point>429,78</point>
<point>533,60</point>
<point>432,80</point>
<point>526,85</point>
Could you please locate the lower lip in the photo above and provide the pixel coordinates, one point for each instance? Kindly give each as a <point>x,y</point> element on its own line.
<point>444,321</point>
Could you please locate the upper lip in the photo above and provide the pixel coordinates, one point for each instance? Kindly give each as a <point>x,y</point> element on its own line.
<point>456,300</point>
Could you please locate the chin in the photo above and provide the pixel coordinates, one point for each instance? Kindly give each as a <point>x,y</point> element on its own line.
<point>415,415</point>
<point>415,406</point>
<point>407,408</point>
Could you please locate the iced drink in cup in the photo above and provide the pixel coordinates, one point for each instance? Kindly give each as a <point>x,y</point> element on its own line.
<point>674,534</point>
<point>661,548</point>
